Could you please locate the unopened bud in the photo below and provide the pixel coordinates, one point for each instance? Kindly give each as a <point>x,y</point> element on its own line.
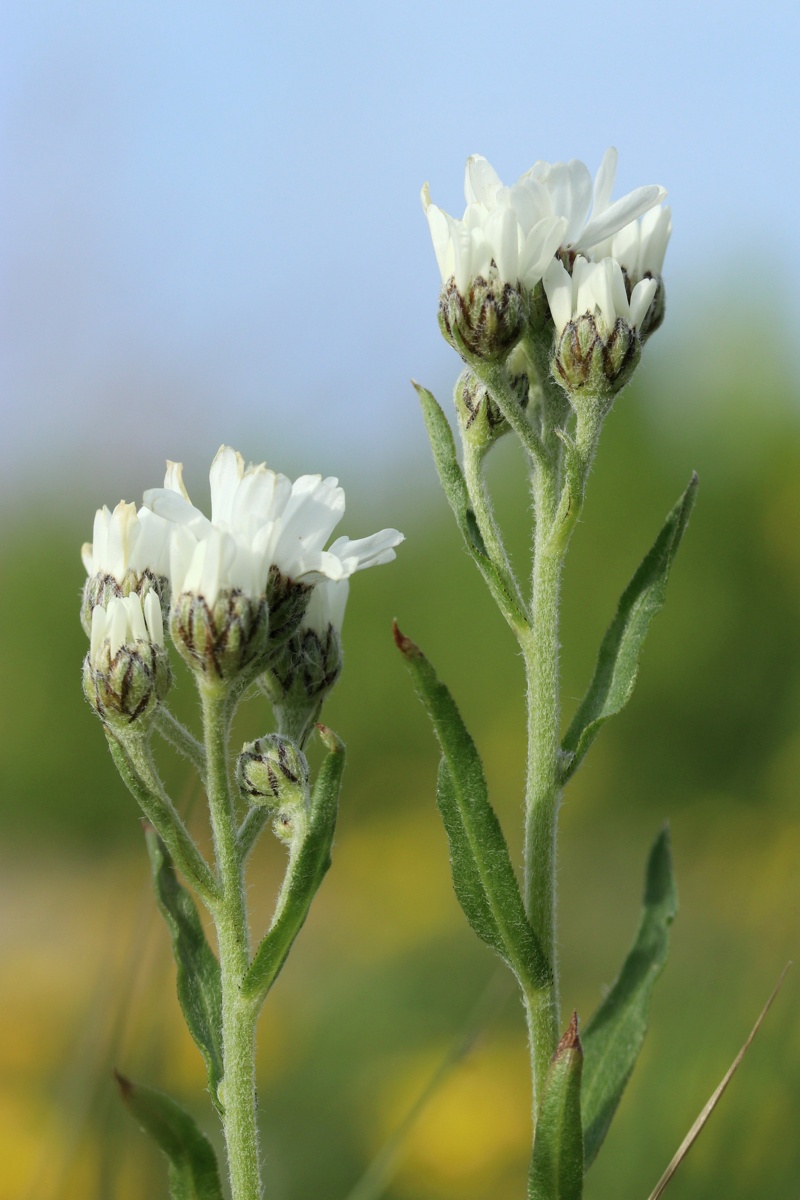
<point>488,319</point>
<point>219,640</point>
<point>480,419</point>
<point>272,772</point>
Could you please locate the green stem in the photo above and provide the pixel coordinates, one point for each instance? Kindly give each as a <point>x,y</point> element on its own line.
<point>487,522</point>
<point>180,739</point>
<point>230,917</point>
<point>495,376</point>
<point>134,762</point>
<point>540,651</point>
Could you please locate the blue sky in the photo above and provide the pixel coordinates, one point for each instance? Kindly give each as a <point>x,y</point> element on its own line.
<point>211,226</point>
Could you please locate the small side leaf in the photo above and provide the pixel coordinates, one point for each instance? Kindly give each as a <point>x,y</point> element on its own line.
<point>483,877</point>
<point>193,1171</point>
<point>455,489</point>
<point>614,1035</point>
<point>618,660</point>
<point>307,867</point>
<point>557,1161</point>
<point>198,973</point>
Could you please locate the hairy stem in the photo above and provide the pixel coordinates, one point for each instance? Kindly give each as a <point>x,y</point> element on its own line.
<point>540,650</point>
<point>487,522</point>
<point>230,916</point>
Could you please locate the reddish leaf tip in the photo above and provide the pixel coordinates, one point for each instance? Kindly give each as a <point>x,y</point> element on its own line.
<point>124,1084</point>
<point>329,738</point>
<point>406,647</point>
<point>570,1040</point>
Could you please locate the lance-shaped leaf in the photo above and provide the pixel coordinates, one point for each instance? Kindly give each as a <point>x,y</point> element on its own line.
<point>618,660</point>
<point>483,877</point>
<point>455,489</point>
<point>308,863</point>
<point>614,1035</point>
<point>198,973</point>
<point>193,1172</point>
<point>557,1161</point>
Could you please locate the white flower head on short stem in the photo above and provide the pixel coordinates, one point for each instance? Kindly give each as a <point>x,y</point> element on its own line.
<point>126,672</point>
<point>597,325</point>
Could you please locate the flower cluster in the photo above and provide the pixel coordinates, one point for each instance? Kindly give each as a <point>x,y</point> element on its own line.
<point>238,588</point>
<point>554,231</point>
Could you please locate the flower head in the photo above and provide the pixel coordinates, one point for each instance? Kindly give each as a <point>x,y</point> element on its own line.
<point>129,552</point>
<point>517,229</point>
<point>126,671</point>
<point>597,325</point>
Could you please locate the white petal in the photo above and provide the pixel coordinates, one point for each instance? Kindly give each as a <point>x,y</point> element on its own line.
<point>604,181</point>
<point>481,181</point>
<point>558,289</point>
<point>173,480</point>
<point>619,214</point>
<point>641,299</point>
<point>153,618</point>
<point>225,476</point>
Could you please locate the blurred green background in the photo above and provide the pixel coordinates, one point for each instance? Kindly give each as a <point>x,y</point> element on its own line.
<point>386,974</point>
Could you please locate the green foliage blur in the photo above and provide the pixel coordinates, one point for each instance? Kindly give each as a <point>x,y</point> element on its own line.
<point>385,976</point>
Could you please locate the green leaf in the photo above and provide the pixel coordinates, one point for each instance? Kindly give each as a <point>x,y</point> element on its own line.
<point>483,877</point>
<point>198,973</point>
<point>308,864</point>
<point>614,1035</point>
<point>557,1161</point>
<point>193,1172</point>
<point>618,659</point>
<point>455,489</point>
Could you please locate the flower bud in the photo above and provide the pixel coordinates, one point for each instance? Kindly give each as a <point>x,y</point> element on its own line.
<point>488,318</point>
<point>219,639</point>
<point>126,672</point>
<point>479,417</point>
<point>589,358</point>
<point>273,773</point>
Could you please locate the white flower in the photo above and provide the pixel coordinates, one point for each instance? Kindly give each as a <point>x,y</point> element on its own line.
<point>640,247</point>
<point>259,519</point>
<point>127,541</point>
<point>520,228</point>
<point>596,289</point>
<point>125,621</point>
